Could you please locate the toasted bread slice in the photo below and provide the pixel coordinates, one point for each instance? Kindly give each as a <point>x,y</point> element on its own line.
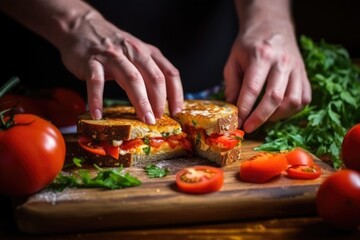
<point>121,123</point>
<point>213,116</point>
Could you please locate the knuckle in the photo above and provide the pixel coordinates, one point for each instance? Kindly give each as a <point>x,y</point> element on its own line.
<point>172,72</point>
<point>157,78</point>
<point>275,96</point>
<point>253,88</point>
<point>263,51</point>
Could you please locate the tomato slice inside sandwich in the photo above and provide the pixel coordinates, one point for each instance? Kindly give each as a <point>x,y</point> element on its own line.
<point>200,179</point>
<point>103,148</point>
<point>228,141</point>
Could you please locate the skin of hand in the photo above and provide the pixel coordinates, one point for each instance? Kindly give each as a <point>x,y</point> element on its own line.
<point>95,50</point>
<point>265,74</point>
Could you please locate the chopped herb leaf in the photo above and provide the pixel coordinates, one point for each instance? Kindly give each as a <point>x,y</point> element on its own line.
<point>113,178</point>
<point>146,150</point>
<point>154,171</point>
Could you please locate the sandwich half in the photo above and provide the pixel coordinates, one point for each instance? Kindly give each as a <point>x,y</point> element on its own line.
<point>119,138</point>
<point>212,127</point>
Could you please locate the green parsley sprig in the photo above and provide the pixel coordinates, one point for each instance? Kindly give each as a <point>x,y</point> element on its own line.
<point>112,178</point>
<point>335,107</point>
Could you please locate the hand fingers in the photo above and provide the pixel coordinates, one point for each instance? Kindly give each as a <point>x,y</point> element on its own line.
<point>233,80</point>
<point>274,94</point>
<point>95,86</point>
<point>130,79</point>
<point>292,102</point>
<point>152,75</point>
<point>173,82</point>
<point>254,78</point>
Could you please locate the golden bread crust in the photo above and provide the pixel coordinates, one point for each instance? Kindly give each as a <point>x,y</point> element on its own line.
<point>121,123</point>
<point>211,115</point>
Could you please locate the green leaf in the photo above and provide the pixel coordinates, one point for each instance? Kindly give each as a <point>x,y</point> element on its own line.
<point>154,171</point>
<point>113,178</point>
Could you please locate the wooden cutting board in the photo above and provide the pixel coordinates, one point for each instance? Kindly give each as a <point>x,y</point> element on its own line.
<point>157,202</point>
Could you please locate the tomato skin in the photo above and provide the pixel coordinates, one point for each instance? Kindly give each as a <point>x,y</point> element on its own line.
<point>350,153</point>
<point>299,157</point>
<point>338,199</point>
<point>304,172</point>
<point>32,154</point>
<point>203,184</point>
<point>262,167</point>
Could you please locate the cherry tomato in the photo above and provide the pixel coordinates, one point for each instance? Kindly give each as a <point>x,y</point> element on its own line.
<point>226,141</point>
<point>200,179</point>
<point>338,199</point>
<point>304,172</point>
<point>299,157</point>
<point>262,167</point>
<point>32,154</point>
<point>350,153</point>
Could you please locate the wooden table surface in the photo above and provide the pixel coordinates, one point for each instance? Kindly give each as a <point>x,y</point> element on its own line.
<point>291,227</point>
<point>303,227</point>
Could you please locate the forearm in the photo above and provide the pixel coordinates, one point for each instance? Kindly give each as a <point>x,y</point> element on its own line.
<point>51,19</point>
<point>253,12</point>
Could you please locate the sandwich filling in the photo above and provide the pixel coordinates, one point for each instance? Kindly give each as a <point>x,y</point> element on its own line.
<point>142,146</point>
<point>216,142</point>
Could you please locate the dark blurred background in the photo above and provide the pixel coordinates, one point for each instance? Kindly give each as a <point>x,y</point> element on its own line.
<point>196,35</point>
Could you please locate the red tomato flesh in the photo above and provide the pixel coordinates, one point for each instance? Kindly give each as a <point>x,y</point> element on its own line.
<point>304,172</point>
<point>200,179</point>
<point>262,167</point>
<point>226,141</point>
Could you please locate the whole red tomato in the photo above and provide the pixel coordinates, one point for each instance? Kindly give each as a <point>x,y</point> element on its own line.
<point>350,153</point>
<point>338,199</point>
<point>32,153</point>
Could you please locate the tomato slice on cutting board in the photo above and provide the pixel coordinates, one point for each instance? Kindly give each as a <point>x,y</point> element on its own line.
<point>200,179</point>
<point>304,172</point>
<point>299,157</point>
<point>262,167</point>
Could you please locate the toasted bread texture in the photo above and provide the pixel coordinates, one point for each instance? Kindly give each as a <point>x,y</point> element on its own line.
<point>221,158</point>
<point>121,123</point>
<point>211,115</point>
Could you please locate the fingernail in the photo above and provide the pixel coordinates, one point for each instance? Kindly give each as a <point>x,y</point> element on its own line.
<point>97,114</point>
<point>177,110</point>
<point>149,118</point>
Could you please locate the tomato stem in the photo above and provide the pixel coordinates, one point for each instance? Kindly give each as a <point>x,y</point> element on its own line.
<point>9,85</point>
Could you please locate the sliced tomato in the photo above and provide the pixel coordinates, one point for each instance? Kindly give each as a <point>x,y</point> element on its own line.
<point>111,150</point>
<point>126,145</point>
<point>299,157</point>
<point>262,167</point>
<point>226,141</point>
<point>87,145</point>
<point>200,179</point>
<point>156,142</point>
<point>304,172</point>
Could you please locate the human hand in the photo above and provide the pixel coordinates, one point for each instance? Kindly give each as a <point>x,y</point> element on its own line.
<point>265,55</point>
<point>95,51</point>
